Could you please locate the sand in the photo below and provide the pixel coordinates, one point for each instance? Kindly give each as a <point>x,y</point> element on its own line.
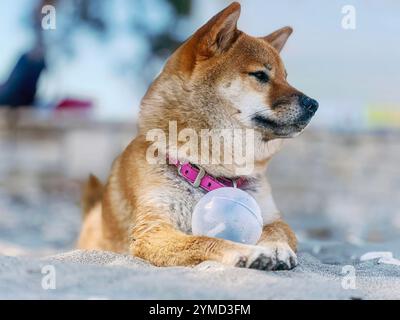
<point>105,275</point>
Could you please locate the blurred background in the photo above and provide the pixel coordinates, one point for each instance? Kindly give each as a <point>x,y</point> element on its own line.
<point>70,91</point>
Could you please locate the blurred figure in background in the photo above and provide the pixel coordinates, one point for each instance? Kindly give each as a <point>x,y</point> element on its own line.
<point>20,88</point>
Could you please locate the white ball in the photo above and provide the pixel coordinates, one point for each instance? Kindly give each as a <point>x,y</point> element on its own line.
<point>228,213</point>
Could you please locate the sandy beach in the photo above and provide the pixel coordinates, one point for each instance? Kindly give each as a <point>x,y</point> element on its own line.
<point>104,275</point>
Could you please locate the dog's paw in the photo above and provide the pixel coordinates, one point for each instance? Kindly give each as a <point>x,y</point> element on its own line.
<point>269,256</point>
<point>282,256</point>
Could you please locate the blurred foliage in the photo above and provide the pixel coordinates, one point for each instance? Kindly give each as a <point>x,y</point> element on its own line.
<point>94,15</point>
<point>90,12</point>
<point>182,7</point>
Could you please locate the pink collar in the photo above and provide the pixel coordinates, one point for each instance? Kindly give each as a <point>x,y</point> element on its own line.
<point>199,178</point>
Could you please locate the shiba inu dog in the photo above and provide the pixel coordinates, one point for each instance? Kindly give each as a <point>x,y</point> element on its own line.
<point>219,78</point>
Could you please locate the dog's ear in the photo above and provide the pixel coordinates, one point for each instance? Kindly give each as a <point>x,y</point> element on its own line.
<point>219,33</point>
<point>278,38</point>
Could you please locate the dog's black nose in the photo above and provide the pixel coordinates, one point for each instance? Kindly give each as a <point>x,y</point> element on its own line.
<point>308,104</point>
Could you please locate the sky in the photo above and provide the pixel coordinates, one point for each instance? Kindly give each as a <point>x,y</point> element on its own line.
<point>347,71</point>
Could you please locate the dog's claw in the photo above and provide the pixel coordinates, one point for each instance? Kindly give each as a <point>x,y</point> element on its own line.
<point>241,263</point>
<point>293,262</point>
<point>281,266</point>
<point>261,263</point>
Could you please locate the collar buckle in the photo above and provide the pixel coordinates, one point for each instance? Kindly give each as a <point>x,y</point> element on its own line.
<point>196,183</point>
<point>200,175</point>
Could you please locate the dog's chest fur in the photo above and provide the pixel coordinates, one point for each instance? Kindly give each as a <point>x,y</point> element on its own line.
<point>181,198</point>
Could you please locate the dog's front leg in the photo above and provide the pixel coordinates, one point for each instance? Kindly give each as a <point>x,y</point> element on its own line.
<point>279,238</point>
<point>157,241</point>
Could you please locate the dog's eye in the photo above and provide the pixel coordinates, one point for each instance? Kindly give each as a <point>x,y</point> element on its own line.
<point>260,76</point>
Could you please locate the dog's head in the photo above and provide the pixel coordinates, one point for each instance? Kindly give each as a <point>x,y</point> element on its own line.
<point>222,67</point>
